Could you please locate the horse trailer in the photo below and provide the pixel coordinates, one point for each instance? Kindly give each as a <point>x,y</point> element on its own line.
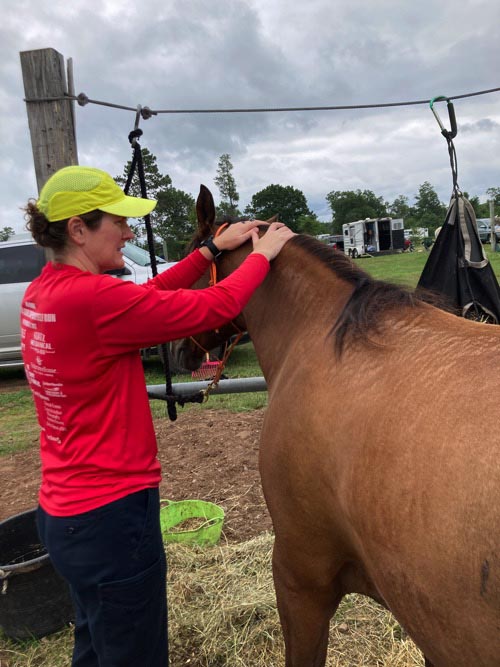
<point>373,236</point>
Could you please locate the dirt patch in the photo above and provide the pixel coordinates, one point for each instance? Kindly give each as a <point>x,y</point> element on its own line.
<point>13,384</point>
<point>206,454</point>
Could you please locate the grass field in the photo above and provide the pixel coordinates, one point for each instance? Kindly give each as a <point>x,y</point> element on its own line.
<point>405,268</point>
<point>18,424</point>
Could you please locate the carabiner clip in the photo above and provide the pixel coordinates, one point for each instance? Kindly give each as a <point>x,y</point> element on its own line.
<point>448,134</point>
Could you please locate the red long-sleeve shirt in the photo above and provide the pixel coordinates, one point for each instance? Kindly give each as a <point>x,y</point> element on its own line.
<point>81,336</point>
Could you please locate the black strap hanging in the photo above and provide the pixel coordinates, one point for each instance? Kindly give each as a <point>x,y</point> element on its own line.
<point>137,163</point>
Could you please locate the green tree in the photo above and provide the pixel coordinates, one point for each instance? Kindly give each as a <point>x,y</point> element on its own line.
<point>493,194</point>
<point>349,206</point>
<point>176,225</point>
<point>227,187</point>
<point>285,201</point>
<point>428,210</point>
<point>309,224</point>
<point>173,218</point>
<point>475,203</point>
<point>483,210</point>
<point>6,233</point>
<point>400,207</point>
<point>155,183</point>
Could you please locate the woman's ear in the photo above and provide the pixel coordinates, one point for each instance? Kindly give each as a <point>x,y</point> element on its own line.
<point>76,230</point>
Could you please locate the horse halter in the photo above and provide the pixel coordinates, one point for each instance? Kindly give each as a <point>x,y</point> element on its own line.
<point>213,265</point>
<point>228,347</point>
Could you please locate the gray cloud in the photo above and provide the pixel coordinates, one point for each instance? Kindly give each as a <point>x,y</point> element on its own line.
<point>482,125</point>
<point>256,53</point>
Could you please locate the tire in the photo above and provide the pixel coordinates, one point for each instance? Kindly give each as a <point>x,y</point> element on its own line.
<point>355,253</point>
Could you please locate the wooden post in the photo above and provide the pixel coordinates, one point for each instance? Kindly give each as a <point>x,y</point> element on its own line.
<point>51,123</point>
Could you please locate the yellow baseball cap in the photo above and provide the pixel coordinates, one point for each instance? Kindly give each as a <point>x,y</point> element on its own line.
<point>77,190</point>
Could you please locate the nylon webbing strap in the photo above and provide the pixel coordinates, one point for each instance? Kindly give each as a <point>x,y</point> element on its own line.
<point>137,163</point>
<point>453,163</point>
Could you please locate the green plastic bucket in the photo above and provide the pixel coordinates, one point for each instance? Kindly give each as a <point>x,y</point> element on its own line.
<point>207,519</point>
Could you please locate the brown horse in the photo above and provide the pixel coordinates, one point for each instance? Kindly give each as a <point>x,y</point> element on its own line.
<point>379,468</point>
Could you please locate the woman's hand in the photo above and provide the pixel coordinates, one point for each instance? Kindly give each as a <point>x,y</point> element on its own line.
<point>272,241</point>
<point>237,233</point>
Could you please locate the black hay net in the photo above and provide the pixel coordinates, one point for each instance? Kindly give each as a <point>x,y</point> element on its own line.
<point>457,268</point>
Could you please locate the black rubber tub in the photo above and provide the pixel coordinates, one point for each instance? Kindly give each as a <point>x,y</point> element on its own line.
<point>34,600</point>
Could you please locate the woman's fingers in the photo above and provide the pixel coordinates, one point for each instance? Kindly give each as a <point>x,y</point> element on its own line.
<point>273,240</point>
<point>236,234</point>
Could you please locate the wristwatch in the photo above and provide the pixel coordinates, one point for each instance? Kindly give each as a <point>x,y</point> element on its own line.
<point>209,243</point>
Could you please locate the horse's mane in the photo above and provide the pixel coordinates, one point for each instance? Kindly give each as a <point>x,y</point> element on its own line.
<point>370,300</point>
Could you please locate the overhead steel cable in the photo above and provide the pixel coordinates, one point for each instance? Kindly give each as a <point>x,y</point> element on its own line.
<point>146,112</point>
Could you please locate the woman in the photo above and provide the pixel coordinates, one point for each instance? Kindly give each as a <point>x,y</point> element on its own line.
<point>82,331</point>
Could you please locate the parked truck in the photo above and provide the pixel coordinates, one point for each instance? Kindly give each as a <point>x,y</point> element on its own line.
<point>373,236</point>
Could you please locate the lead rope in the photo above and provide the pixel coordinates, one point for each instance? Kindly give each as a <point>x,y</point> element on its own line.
<point>228,348</point>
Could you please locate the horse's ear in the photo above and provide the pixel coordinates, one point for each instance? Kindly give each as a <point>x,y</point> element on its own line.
<point>205,211</point>
<point>273,219</point>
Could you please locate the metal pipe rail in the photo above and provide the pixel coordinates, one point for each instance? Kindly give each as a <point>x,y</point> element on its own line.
<point>237,386</point>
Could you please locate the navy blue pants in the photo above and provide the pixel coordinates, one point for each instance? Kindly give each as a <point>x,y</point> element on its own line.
<point>114,561</point>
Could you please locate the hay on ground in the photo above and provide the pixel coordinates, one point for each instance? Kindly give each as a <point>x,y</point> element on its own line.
<point>222,611</point>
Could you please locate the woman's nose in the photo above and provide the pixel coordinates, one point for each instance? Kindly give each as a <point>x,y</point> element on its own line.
<point>128,233</point>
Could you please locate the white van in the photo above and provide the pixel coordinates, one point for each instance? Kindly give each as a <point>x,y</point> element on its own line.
<point>21,260</point>
<point>138,264</point>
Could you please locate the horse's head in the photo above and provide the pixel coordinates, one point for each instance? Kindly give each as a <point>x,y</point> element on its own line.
<point>190,352</point>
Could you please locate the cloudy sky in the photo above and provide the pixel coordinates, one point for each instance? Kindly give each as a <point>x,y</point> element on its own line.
<point>196,54</point>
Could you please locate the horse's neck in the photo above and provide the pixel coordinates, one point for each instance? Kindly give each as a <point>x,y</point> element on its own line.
<point>299,297</point>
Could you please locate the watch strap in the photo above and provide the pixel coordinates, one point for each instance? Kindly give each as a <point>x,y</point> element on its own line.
<point>209,243</point>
